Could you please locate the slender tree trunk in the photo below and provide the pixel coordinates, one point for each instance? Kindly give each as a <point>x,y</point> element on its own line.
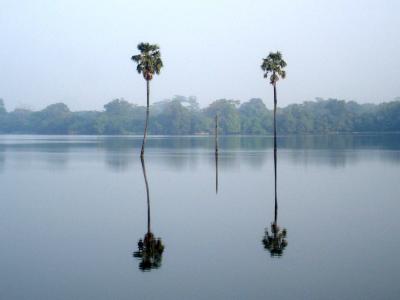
<point>147,117</point>
<point>148,195</point>
<point>275,156</point>
<point>276,194</point>
<point>275,101</point>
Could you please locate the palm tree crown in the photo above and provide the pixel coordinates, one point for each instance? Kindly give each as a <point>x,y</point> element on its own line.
<point>148,61</point>
<point>274,65</point>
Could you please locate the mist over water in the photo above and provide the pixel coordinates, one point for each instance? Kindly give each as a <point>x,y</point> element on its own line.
<point>75,207</point>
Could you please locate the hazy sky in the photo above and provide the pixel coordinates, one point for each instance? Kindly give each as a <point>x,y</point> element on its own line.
<point>78,52</point>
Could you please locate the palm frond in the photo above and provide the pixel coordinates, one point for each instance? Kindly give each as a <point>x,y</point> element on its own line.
<point>149,60</point>
<point>273,64</point>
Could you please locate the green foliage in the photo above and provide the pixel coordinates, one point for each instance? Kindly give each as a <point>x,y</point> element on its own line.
<point>117,118</point>
<point>174,119</point>
<point>85,122</point>
<point>255,117</point>
<point>2,107</point>
<point>3,115</point>
<point>385,117</point>
<point>148,60</point>
<point>182,115</point>
<point>273,64</point>
<point>54,119</point>
<point>228,115</point>
<point>18,121</point>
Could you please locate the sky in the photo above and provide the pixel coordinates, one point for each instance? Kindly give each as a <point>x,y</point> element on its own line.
<point>78,52</point>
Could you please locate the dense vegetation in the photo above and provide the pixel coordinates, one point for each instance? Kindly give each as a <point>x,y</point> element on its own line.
<point>182,115</point>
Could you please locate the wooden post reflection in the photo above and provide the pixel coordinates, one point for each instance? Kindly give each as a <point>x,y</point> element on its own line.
<point>216,172</point>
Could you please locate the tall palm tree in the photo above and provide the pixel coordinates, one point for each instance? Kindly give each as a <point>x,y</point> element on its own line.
<point>148,63</point>
<point>273,67</point>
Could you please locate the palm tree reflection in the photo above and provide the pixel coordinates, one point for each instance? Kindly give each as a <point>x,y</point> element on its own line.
<point>216,172</point>
<point>275,242</point>
<point>150,248</point>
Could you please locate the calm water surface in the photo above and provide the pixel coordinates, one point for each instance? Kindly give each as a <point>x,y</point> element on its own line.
<point>74,208</point>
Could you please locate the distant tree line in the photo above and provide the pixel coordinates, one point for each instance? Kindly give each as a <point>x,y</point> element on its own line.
<point>182,115</point>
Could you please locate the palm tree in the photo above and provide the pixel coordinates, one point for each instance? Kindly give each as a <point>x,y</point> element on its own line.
<point>148,63</point>
<point>273,65</point>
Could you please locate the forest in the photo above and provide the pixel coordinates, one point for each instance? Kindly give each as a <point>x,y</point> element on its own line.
<point>183,116</point>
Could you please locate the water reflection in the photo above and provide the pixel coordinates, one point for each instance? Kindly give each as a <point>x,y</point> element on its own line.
<point>2,161</point>
<point>182,153</point>
<point>119,160</point>
<point>216,172</point>
<point>275,242</point>
<point>150,248</point>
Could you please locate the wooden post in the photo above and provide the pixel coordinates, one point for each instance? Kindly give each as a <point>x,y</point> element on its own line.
<point>216,154</point>
<point>216,133</point>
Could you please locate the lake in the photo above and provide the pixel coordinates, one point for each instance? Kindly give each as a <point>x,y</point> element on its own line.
<point>73,209</point>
